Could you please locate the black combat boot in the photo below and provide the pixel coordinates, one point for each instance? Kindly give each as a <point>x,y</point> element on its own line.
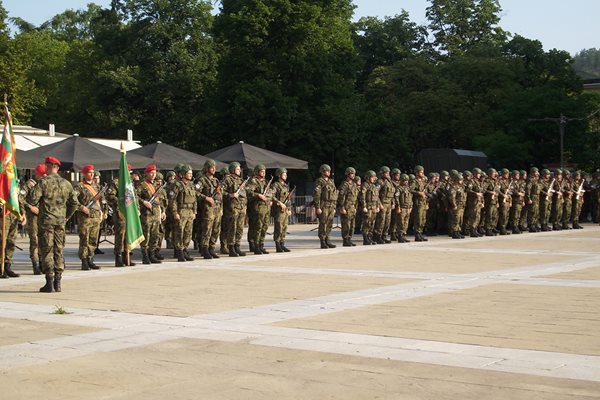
<point>212,252</point>
<point>323,244</point>
<point>278,248</point>
<point>261,246</point>
<point>92,264</point>
<point>96,251</point>
<point>489,232</point>
<point>329,244</point>
<point>180,256</point>
<point>385,239</point>
<point>404,239</point>
<point>378,239</point>
<point>418,237</point>
<point>49,286</point>
<point>187,256</point>
<point>252,246</point>
<point>84,265</point>
<point>285,249</point>
<point>232,252</point>
<point>204,252</point>
<point>545,228</point>
<point>577,226</point>
<point>56,283</point>
<point>119,261</point>
<point>238,250</point>
<point>158,255</point>
<point>565,226</point>
<point>455,235</point>
<point>394,236</point>
<point>145,258</point>
<point>346,242</point>
<point>36,268</point>
<point>170,245</point>
<point>153,259</point>
<point>224,249</point>
<point>366,240</point>
<point>9,272</point>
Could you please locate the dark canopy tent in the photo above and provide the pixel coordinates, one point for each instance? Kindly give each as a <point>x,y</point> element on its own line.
<point>447,159</point>
<point>76,152</point>
<point>249,156</point>
<point>165,156</point>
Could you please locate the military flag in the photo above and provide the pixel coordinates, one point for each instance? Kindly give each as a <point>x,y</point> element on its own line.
<point>9,180</point>
<point>128,205</point>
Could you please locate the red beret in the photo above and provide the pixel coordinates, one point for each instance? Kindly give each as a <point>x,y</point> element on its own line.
<point>40,169</point>
<point>150,168</point>
<point>87,168</point>
<point>129,167</point>
<point>52,160</point>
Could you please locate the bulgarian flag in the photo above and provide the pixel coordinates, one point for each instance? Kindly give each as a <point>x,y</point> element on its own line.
<point>128,205</point>
<point>9,179</point>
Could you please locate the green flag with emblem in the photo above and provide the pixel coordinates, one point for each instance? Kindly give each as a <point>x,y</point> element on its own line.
<point>128,205</point>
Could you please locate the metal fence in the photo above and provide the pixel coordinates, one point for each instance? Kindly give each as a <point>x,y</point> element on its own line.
<point>303,211</point>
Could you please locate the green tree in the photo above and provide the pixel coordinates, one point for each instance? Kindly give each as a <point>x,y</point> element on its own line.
<point>587,63</point>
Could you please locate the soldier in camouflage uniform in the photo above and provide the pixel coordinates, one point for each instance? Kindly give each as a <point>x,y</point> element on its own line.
<point>260,197</point>
<point>492,187</point>
<point>151,214</point>
<point>163,202</point>
<point>183,208</point>
<point>32,211</point>
<point>57,202</point>
<point>518,201</point>
<point>325,198</point>
<point>89,217</point>
<point>474,202</point>
<point>532,200</point>
<point>557,201</point>
<point>457,200</point>
<point>168,225</point>
<point>546,185</point>
<point>280,209</point>
<point>387,192</point>
<point>347,202</point>
<point>506,188</point>
<point>120,250</point>
<point>234,209</point>
<point>419,192</point>
<point>395,175</point>
<point>12,224</point>
<point>371,203</point>
<point>210,208</point>
<point>578,192</point>
<point>567,200</point>
<point>404,203</point>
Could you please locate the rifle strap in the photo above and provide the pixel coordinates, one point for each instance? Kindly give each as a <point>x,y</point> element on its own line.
<point>92,191</point>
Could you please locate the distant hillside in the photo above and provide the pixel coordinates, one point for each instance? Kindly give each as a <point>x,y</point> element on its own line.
<point>587,63</point>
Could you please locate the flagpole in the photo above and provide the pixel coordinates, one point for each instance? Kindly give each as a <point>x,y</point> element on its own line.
<point>3,237</point>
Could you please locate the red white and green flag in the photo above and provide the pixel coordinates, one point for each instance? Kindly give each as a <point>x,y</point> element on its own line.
<point>128,205</point>
<point>9,179</point>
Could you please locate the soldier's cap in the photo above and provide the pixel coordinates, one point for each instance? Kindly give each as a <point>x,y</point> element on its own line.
<point>533,170</point>
<point>170,174</point>
<point>436,174</point>
<point>40,169</point>
<point>444,173</point>
<point>516,172</point>
<point>505,171</point>
<point>370,173</point>
<point>150,168</point>
<point>403,177</point>
<point>233,166</point>
<point>350,171</point>
<point>324,168</point>
<point>491,171</point>
<point>454,174</point>
<point>52,160</point>
<point>384,169</point>
<point>159,176</point>
<point>419,168</point>
<point>87,168</point>
<point>467,173</point>
<point>396,171</point>
<point>280,171</point>
<point>259,167</point>
<point>357,179</point>
<point>209,163</point>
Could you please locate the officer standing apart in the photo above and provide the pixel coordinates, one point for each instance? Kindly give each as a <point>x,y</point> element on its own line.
<point>89,217</point>
<point>57,203</point>
<point>280,209</point>
<point>325,198</point>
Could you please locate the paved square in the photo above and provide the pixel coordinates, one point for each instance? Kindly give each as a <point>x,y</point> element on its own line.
<point>512,317</point>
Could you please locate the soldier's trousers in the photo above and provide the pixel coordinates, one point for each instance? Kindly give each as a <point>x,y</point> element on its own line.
<point>280,220</point>
<point>557,210</point>
<point>533,213</point>
<point>524,215</point>
<point>348,223</point>
<point>168,229</point>
<point>503,214</point>
<point>576,209</point>
<point>491,216</point>
<point>183,229</point>
<point>456,218</point>
<point>567,209</point>
<point>326,221</point>
<point>472,217</point>
<point>88,233</point>
<point>393,222</point>
<point>12,224</point>
<point>52,243</point>
<point>545,207</point>
<point>234,220</point>
<point>368,222</point>
<point>119,227</point>
<point>32,232</point>
<point>515,215</point>
<point>383,219</point>
<point>211,225</point>
<point>151,229</point>
<point>419,211</point>
<point>260,216</point>
<point>402,217</point>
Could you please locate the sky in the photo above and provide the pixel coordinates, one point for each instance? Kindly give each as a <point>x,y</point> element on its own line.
<point>570,25</point>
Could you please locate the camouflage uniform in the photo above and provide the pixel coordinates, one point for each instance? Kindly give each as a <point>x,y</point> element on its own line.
<point>88,224</point>
<point>474,204</point>
<point>210,214</point>
<point>404,203</point>
<point>369,198</point>
<point>120,250</point>
<point>183,208</point>
<point>169,223</point>
<point>418,188</point>
<point>517,202</point>
<point>27,193</point>
<point>546,186</point>
<point>532,199</point>
<point>578,197</point>
<point>258,211</point>
<point>11,227</point>
<point>387,192</point>
<point>395,174</point>
<point>557,201</point>
<point>567,200</point>
<point>150,219</point>
<point>491,187</point>
<point>457,200</point>
<point>234,210</point>
<point>325,198</point>
<point>280,210</point>
<point>347,203</point>
<point>506,188</point>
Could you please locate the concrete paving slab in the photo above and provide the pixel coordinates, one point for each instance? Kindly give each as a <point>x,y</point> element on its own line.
<point>16,331</point>
<point>592,273</point>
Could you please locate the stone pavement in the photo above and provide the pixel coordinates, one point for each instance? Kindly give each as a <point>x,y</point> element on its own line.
<point>514,317</point>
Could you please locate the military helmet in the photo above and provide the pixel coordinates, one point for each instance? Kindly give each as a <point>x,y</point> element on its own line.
<point>170,174</point>
<point>159,176</point>
<point>454,174</point>
<point>491,171</point>
<point>566,172</point>
<point>467,173</point>
<point>523,172</point>
<point>280,171</point>
<point>96,173</point>
<point>259,167</point>
<point>558,171</point>
<point>516,172</point>
<point>419,168</point>
<point>198,175</point>
<point>444,173</point>
<point>396,171</point>
<point>233,166</point>
<point>384,169</point>
<point>505,171</point>
<point>209,163</point>
<point>412,177</point>
<point>403,177</point>
<point>545,171</point>
<point>224,171</point>
<point>357,179</point>
<point>533,170</point>
<point>350,171</point>
<point>431,175</point>
<point>178,167</point>
<point>370,173</point>
<point>458,176</point>
<point>483,174</point>
<point>476,170</point>
<point>324,168</point>
<point>185,168</point>
<point>577,174</point>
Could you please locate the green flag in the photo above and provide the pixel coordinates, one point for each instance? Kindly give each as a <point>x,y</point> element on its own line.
<point>9,179</point>
<point>128,205</point>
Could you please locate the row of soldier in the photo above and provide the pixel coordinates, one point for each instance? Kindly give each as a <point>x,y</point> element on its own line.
<point>472,203</point>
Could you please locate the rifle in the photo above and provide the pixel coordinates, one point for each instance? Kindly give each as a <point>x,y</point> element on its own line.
<point>580,190</point>
<point>153,197</point>
<point>95,198</point>
<point>242,185</point>
<point>496,188</point>
<point>508,191</point>
<point>264,193</point>
<point>550,190</point>
<point>217,188</point>
<point>289,197</point>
